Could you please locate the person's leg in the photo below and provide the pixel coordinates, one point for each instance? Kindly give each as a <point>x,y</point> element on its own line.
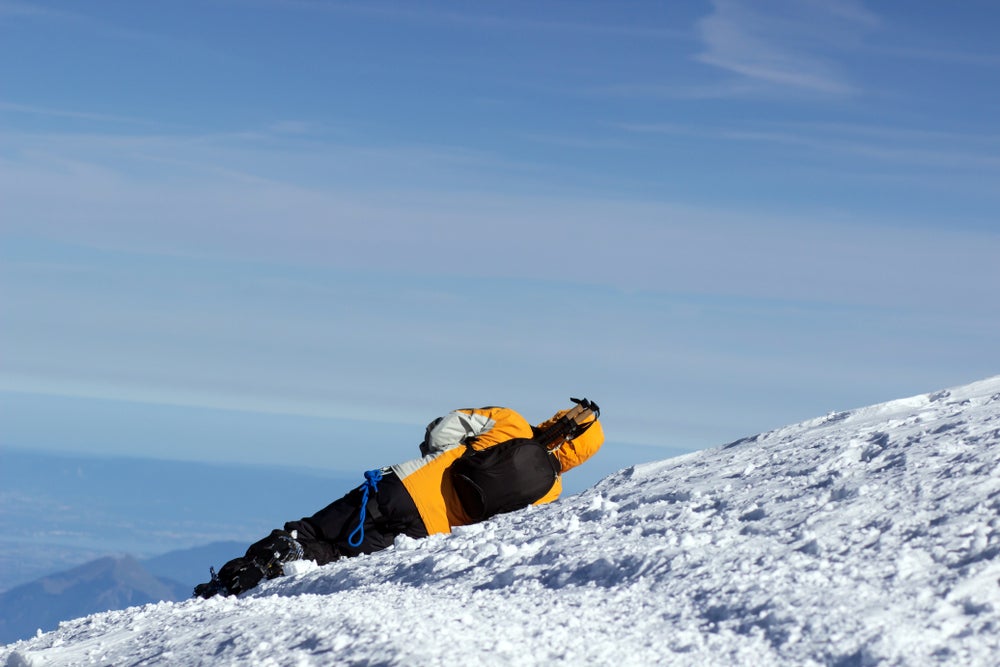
<point>303,539</point>
<point>331,527</point>
<point>325,536</point>
<point>390,512</point>
<point>400,514</point>
<point>308,538</point>
<point>319,534</point>
<point>314,547</point>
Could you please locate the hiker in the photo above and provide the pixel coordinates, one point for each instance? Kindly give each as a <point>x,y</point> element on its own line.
<point>475,463</point>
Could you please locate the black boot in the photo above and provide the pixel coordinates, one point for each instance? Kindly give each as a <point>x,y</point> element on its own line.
<point>233,578</point>
<point>262,559</point>
<point>240,575</point>
<point>277,548</point>
<point>210,588</point>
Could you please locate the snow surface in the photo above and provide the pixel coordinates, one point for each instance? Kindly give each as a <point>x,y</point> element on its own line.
<point>859,538</point>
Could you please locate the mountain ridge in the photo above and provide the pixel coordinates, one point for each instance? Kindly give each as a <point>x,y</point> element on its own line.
<point>60,510</point>
<point>106,583</point>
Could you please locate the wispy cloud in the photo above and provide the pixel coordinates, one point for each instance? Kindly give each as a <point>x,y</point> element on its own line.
<point>786,45</point>
<point>580,142</point>
<point>953,57</point>
<point>86,17</point>
<point>477,19</point>
<point>676,90</point>
<point>20,10</point>
<point>216,210</point>
<point>164,133</point>
<point>901,146</point>
<point>163,305</point>
<point>32,110</point>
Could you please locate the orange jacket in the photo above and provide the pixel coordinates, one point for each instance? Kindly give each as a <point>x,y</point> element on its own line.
<point>426,481</point>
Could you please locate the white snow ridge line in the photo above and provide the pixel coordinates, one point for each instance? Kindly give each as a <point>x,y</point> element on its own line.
<point>860,538</point>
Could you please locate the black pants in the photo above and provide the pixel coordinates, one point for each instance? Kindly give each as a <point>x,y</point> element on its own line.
<point>325,535</point>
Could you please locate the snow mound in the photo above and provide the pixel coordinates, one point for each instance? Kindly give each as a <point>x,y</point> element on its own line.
<point>861,537</point>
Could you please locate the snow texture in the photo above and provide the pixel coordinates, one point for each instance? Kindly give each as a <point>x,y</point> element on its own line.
<point>860,538</point>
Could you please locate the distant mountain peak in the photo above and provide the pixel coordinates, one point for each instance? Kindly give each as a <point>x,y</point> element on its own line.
<point>111,582</point>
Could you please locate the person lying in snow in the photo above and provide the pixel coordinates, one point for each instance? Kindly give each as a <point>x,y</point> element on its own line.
<point>475,463</point>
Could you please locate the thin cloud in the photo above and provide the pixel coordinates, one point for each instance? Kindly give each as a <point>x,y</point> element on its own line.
<point>906,147</point>
<point>793,47</point>
<point>886,145</point>
<point>676,91</point>
<point>425,14</point>
<point>25,13</point>
<point>565,141</point>
<point>987,60</point>
<point>21,10</point>
<point>27,109</point>
<point>897,133</point>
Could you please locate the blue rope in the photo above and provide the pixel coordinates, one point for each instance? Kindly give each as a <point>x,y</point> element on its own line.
<point>372,478</point>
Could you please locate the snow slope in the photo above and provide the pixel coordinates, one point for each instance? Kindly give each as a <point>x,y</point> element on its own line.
<point>858,538</point>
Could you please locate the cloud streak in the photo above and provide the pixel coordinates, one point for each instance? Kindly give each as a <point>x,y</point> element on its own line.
<point>199,202</point>
<point>466,19</point>
<point>944,151</point>
<point>31,110</point>
<point>784,46</point>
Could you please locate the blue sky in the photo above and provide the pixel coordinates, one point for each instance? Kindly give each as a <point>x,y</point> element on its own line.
<point>275,231</point>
